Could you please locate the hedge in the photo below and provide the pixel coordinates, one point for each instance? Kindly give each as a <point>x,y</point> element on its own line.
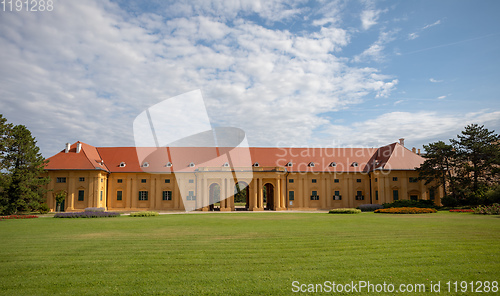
<point>144,214</point>
<point>344,211</point>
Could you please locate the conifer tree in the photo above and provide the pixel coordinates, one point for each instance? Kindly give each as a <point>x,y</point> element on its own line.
<point>22,167</point>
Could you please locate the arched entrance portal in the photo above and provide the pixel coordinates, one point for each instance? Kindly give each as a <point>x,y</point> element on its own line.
<point>214,195</point>
<point>268,196</point>
<point>241,196</point>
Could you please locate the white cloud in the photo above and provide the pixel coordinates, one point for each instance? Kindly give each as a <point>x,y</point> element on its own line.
<point>435,80</point>
<point>415,35</point>
<point>376,51</point>
<point>369,18</point>
<point>88,79</point>
<point>417,128</point>
<point>441,97</point>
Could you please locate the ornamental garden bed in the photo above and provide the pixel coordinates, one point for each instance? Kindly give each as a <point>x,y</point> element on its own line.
<point>406,210</point>
<point>17,217</point>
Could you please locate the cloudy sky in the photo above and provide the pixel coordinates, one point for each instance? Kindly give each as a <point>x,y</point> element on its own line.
<point>289,73</point>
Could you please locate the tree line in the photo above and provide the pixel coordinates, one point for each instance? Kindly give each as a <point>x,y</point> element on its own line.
<point>467,168</point>
<point>21,171</point>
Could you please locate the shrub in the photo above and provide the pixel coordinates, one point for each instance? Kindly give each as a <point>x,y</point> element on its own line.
<point>370,207</point>
<point>494,209</point>
<point>406,210</point>
<point>86,214</point>
<point>18,217</point>
<point>449,201</point>
<point>43,209</point>
<point>144,214</point>
<point>493,195</point>
<point>410,204</point>
<point>344,211</point>
<point>95,209</point>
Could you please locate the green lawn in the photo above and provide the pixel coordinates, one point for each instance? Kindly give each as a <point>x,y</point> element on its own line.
<point>244,253</point>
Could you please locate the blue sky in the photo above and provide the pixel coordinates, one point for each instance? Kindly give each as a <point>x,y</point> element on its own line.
<point>289,73</point>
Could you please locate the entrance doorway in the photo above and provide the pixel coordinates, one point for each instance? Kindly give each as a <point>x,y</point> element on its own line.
<point>214,195</point>
<point>241,196</point>
<point>268,196</point>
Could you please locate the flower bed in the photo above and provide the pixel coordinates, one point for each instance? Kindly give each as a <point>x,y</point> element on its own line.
<point>494,209</point>
<point>344,211</point>
<point>144,214</point>
<point>86,214</point>
<point>18,217</point>
<point>406,210</point>
<point>462,211</point>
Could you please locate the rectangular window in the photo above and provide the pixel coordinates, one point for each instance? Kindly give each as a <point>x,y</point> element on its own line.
<point>290,180</point>
<point>167,180</point>
<point>376,180</point>
<point>81,179</point>
<point>143,195</point>
<point>314,195</point>
<point>191,181</point>
<point>81,195</point>
<point>394,178</point>
<point>359,195</point>
<point>337,196</point>
<point>395,195</point>
<point>358,180</point>
<point>100,196</point>
<point>191,196</point>
<point>167,195</point>
<point>143,180</point>
<point>413,180</point>
<point>291,195</point>
<point>119,195</point>
<point>413,197</point>
<point>61,180</point>
<point>313,180</point>
<point>119,181</point>
<point>336,181</point>
<point>102,180</point>
<point>376,194</point>
<point>431,194</point>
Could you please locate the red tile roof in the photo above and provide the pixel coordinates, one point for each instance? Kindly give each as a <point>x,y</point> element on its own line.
<point>143,159</point>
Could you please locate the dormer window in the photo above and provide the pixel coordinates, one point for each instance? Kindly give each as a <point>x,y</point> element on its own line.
<point>145,165</point>
<point>169,164</point>
<point>289,164</point>
<point>191,164</point>
<point>256,164</point>
<point>226,165</point>
<point>333,164</point>
<point>311,164</point>
<point>354,164</point>
<point>122,164</point>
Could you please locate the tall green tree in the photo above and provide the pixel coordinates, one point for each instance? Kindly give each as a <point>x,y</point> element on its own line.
<point>438,167</point>
<point>466,168</point>
<point>478,152</point>
<point>22,167</point>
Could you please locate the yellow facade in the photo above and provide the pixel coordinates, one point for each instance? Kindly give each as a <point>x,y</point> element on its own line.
<point>285,190</point>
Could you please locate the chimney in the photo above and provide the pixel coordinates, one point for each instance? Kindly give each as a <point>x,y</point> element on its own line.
<point>78,147</point>
<point>414,150</point>
<point>402,141</point>
<point>418,151</point>
<point>68,146</point>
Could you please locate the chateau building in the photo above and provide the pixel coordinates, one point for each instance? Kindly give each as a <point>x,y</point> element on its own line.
<point>276,179</point>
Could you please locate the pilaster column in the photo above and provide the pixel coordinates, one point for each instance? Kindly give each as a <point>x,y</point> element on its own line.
<point>283,193</point>
<point>71,193</point>
<point>253,195</point>
<point>128,195</point>
<point>260,195</point>
<point>134,193</point>
<point>306,192</point>
<point>324,195</point>
<point>277,195</point>
<point>329,193</point>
